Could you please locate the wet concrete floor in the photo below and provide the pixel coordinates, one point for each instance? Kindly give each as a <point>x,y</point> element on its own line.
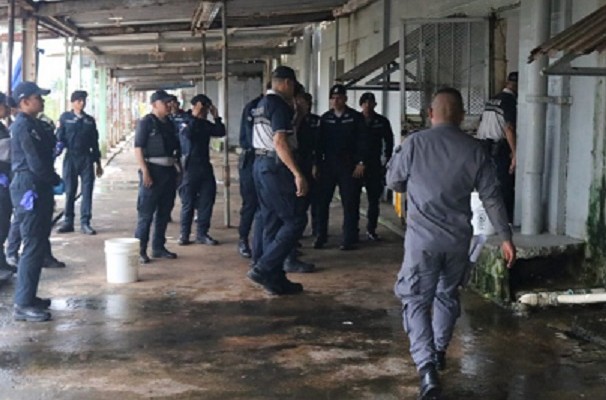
<point>194,328</point>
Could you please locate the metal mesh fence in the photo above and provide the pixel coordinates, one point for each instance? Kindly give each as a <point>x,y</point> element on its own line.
<point>440,54</point>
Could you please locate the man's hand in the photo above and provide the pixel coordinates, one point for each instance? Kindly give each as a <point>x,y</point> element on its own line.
<point>213,111</point>
<point>147,180</point>
<point>301,184</point>
<point>512,166</point>
<point>509,253</point>
<point>359,171</point>
<point>99,171</point>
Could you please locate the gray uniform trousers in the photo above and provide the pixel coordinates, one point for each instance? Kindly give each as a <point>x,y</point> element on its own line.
<point>428,286</point>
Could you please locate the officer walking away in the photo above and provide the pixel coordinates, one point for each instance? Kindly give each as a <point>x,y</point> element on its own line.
<point>199,187</point>
<point>380,147</point>
<point>77,133</point>
<point>32,197</point>
<point>438,169</point>
<point>157,151</point>
<point>498,129</point>
<point>281,186</point>
<point>342,157</point>
<point>248,192</point>
<point>6,206</point>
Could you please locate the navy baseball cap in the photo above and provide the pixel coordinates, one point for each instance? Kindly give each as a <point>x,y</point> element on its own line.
<point>284,72</point>
<point>4,99</point>
<point>27,89</point>
<point>79,95</point>
<point>513,76</point>
<point>368,96</point>
<point>160,95</point>
<point>338,89</point>
<point>201,98</point>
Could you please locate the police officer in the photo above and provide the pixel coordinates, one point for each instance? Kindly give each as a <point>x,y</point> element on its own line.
<point>380,145</point>
<point>77,133</point>
<point>342,157</point>
<point>199,188</point>
<point>158,155</point>
<point>250,204</point>
<point>281,186</point>
<point>498,130</point>
<point>438,168</point>
<point>32,196</point>
<point>6,206</point>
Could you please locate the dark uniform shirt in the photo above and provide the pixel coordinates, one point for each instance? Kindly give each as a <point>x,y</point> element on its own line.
<point>79,135</point>
<point>195,134</point>
<point>273,114</point>
<point>32,150</point>
<point>157,138</point>
<point>498,112</point>
<point>246,124</point>
<point>5,150</point>
<point>307,137</point>
<point>343,138</point>
<point>380,139</point>
<point>439,168</point>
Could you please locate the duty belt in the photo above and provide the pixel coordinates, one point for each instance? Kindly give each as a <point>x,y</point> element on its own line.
<point>265,153</point>
<point>162,161</point>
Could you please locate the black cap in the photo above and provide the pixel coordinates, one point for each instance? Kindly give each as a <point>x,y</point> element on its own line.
<point>284,72</point>
<point>338,89</point>
<point>79,95</point>
<point>174,98</point>
<point>368,96</point>
<point>11,102</point>
<point>201,98</point>
<point>160,95</point>
<point>512,77</point>
<point>4,99</point>
<point>26,89</point>
<point>299,89</point>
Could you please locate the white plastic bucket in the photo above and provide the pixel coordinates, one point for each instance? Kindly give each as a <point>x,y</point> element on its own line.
<point>122,260</point>
<point>479,221</point>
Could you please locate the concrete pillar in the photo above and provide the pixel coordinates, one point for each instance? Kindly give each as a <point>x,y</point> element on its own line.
<point>102,113</point>
<point>11,44</point>
<point>30,49</point>
<point>534,101</point>
<point>307,58</point>
<point>224,114</point>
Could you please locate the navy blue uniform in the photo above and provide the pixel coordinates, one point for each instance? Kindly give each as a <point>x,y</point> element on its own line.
<point>342,145</point>
<point>380,144</point>
<point>282,211</point>
<point>250,204</point>
<point>308,133</point>
<point>199,187</point>
<point>6,206</point>
<point>32,152</point>
<point>157,139</point>
<point>81,140</point>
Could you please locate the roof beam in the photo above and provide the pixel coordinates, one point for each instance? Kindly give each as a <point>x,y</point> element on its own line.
<point>165,85</point>
<point>252,21</point>
<point>351,7</point>
<point>205,15</point>
<point>234,69</point>
<point>194,56</point>
<point>67,8</point>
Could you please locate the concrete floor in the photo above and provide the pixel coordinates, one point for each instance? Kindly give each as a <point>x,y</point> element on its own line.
<point>194,328</point>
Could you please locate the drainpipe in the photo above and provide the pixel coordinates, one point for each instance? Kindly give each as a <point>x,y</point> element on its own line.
<point>226,177</point>
<point>532,207</point>
<point>335,67</point>
<point>543,299</point>
<point>11,45</point>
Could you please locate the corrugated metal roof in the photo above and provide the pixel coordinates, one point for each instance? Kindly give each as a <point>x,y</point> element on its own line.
<point>583,37</point>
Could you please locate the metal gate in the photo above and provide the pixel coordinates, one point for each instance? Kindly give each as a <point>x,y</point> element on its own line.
<point>435,53</point>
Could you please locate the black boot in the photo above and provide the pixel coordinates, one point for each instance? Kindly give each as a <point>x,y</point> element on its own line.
<point>439,359</point>
<point>143,257</point>
<point>244,248</point>
<point>292,264</point>
<point>430,384</point>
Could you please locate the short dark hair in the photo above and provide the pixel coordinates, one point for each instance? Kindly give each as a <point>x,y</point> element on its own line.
<point>268,85</point>
<point>454,94</point>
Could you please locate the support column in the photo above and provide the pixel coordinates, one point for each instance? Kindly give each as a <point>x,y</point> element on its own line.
<point>30,49</point>
<point>204,78</point>
<point>534,102</point>
<point>11,46</point>
<point>386,29</point>
<point>307,57</point>
<point>102,107</point>
<point>335,65</point>
<point>225,102</point>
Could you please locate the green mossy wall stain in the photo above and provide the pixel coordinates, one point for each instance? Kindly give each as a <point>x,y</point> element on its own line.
<point>596,233</point>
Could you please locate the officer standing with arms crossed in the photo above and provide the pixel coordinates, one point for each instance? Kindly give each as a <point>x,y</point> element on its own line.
<point>77,132</point>
<point>438,169</point>
<point>6,206</point>
<point>380,142</point>
<point>342,157</point>
<point>157,151</point>
<point>32,196</point>
<point>281,186</point>
<point>199,187</point>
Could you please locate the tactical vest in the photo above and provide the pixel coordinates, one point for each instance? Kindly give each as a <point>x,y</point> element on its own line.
<point>156,142</point>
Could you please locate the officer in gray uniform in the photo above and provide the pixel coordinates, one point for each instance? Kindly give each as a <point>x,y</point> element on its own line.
<point>439,168</point>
